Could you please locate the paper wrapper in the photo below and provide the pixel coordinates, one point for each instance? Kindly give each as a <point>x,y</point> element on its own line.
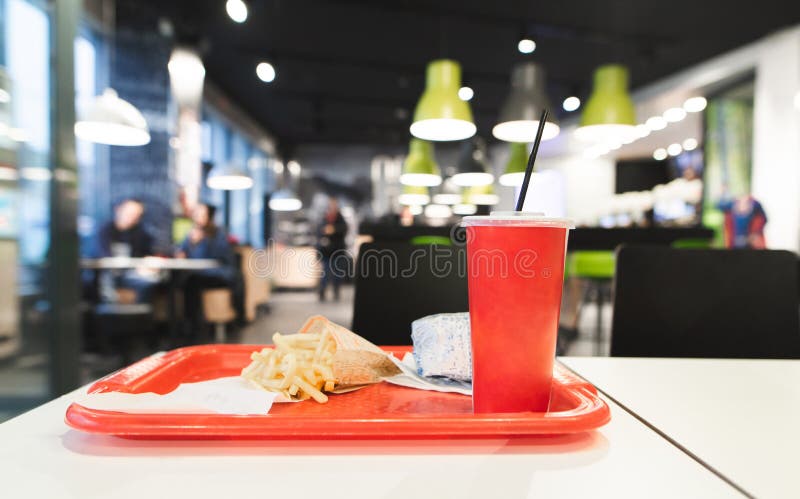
<point>357,362</point>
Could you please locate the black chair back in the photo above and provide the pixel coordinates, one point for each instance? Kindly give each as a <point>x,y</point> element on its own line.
<point>705,303</point>
<point>397,283</point>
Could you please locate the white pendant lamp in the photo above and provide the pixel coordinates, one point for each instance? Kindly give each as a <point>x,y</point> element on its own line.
<point>228,178</point>
<point>107,119</point>
<point>285,200</point>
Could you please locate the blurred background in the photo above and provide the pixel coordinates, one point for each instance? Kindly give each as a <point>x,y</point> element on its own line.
<point>178,172</point>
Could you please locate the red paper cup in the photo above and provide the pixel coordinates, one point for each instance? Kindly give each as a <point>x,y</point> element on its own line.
<point>515,266</point>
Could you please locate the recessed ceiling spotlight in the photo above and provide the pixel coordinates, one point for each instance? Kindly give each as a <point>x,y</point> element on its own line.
<point>660,154</point>
<point>465,93</point>
<point>655,123</point>
<point>237,10</point>
<point>526,46</point>
<point>674,149</point>
<point>689,144</point>
<point>674,114</point>
<point>265,72</point>
<point>642,131</point>
<point>571,103</point>
<point>695,104</point>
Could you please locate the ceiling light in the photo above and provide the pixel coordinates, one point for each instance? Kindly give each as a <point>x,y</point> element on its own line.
<point>660,154</point>
<point>265,72</point>
<point>17,134</point>
<point>481,195</point>
<point>642,131</point>
<point>526,46</point>
<point>228,178</point>
<point>107,119</point>
<point>415,209</point>
<point>237,10</point>
<point>186,75</point>
<point>465,209</point>
<point>614,146</point>
<point>674,114</point>
<point>36,173</point>
<point>8,173</point>
<point>465,93</point>
<point>414,195</point>
<point>674,149</point>
<point>519,116</point>
<point>656,123</point>
<point>695,104</point>
<point>438,211</point>
<point>447,198</point>
<point>690,144</point>
<point>515,168</point>
<point>419,167</point>
<point>571,104</point>
<point>471,168</point>
<point>609,113</point>
<point>4,96</point>
<point>285,200</point>
<point>293,167</point>
<point>440,114</point>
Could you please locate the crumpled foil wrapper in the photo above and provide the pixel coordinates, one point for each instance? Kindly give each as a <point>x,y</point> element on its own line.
<point>442,346</point>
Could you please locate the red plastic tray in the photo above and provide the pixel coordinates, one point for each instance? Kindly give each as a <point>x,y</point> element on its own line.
<point>378,411</point>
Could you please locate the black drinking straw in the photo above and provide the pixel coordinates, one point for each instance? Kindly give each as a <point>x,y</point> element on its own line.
<point>529,170</point>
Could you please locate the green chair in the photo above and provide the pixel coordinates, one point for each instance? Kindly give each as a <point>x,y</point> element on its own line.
<point>431,240</point>
<point>597,269</point>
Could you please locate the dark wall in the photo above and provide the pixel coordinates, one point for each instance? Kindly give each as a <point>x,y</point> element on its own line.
<point>139,74</point>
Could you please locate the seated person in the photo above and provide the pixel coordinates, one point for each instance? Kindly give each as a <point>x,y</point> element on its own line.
<point>125,236</point>
<point>205,240</point>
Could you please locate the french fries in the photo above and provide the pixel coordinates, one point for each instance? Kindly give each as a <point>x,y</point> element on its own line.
<point>300,366</point>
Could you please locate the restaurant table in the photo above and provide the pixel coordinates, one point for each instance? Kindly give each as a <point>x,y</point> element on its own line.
<point>169,265</point>
<point>740,417</point>
<point>41,457</point>
<point>149,262</point>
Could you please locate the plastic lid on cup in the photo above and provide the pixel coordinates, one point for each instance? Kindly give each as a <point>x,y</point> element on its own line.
<point>518,218</point>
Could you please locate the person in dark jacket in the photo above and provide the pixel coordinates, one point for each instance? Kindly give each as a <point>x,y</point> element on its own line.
<point>125,236</point>
<point>331,235</point>
<point>205,240</point>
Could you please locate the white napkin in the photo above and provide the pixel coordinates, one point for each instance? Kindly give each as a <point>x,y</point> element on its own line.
<point>231,395</point>
<point>411,379</point>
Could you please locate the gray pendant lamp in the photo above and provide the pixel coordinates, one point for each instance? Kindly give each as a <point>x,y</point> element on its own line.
<point>519,116</point>
<point>471,168</point>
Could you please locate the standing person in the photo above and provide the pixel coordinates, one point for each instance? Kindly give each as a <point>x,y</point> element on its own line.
<point>205,240</point>
<point>124,235</point>
<point>744,222</point>
<point>331,234</point>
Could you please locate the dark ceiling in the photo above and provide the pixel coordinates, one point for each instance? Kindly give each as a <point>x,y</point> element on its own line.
<point>352,70</point>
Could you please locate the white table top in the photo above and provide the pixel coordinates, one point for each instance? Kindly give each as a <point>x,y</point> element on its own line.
<point>741,417</point>
<point>151,262</point>
<point>41,457</point>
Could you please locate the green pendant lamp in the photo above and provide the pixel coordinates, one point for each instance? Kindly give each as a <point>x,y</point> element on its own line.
<point>515,168</point>
<point>481,195</point>
<point>414,195</point>
<point>519,116</point>
<point>440,114</point>
<point>420,166</point>
<point>609,114</point>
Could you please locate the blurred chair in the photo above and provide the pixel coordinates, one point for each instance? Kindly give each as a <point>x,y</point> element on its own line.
<point>218,310</point>
<point>118,325</point>
<point>705,303</point>
<point>397,283</point>
<point>256,288</point>
<point>596,268</point>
